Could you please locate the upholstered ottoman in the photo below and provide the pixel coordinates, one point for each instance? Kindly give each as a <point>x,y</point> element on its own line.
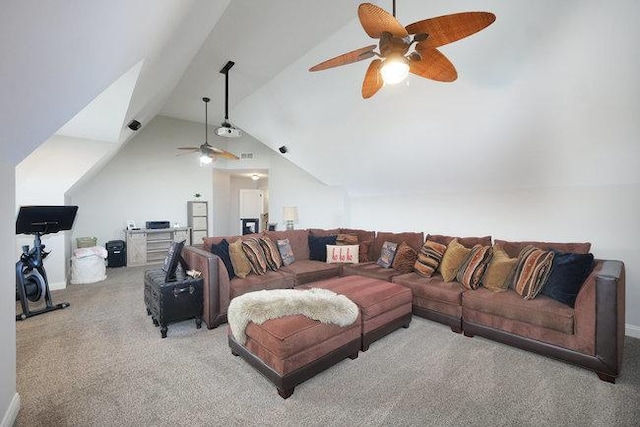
<point>384,306</point>
<point>291,349</point>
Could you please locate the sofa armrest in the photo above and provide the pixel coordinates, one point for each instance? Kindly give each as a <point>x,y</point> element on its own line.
<point>210,266</point>
<point>610,315</point>
<point>600,317</point>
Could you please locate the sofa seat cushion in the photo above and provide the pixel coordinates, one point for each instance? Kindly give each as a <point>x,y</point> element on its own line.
<point>291,342</point>
<point>369,269</point>
<point>542,311</point>
<point>270,280</point>
<point>306,271</point>
<point>433,288</point>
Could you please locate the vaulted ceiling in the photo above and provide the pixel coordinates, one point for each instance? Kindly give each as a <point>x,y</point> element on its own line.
<point>544,95</point>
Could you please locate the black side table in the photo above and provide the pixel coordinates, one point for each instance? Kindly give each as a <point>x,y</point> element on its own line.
<point>169,302</point>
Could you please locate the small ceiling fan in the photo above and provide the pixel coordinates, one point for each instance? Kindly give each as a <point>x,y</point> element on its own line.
<point>395,61</point>
<point>208,153</point>
<point>226,129</point>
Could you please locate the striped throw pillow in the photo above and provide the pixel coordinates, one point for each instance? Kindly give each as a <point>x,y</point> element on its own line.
<point>532,271</point>
<point>472,269</point>
<point>271,253</point>
<point>254,252</point>
<point>429,258</point>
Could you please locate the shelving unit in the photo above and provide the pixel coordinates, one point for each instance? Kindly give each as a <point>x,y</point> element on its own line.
<point>198,220</point>
<point>150,246</point>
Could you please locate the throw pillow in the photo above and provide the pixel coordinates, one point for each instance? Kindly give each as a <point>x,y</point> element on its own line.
<point>222,250</point>
<point>364,248</point>
<point>318,247</point>
<point>387,254</point>
<point>345,254</point>
<point>452,259</point>
<point>255,254</point>
<point>568,273</point>
<point>429,258</point>
<point>346,239</point>
<point>472,269</point>
<point>405,258</point>
<point>284,247</point>
<point>240,262</point>
<point>271,253</point>
<point>499,271</point>
<point>532,271</point>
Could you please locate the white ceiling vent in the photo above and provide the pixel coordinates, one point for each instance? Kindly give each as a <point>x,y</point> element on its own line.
<point>246,155</point>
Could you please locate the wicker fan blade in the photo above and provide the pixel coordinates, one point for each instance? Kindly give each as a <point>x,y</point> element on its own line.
<point>372,80</point>
<point>189,151</point>
<point>435,66</point>
<point>449,28</point>
<point>375,21</point>
<point>217,152</point>
<point>346,58</point>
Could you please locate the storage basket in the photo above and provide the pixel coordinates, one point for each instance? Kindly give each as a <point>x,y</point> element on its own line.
<point>86,242</point>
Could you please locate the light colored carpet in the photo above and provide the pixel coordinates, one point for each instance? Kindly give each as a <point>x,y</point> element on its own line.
<point>101,362</point>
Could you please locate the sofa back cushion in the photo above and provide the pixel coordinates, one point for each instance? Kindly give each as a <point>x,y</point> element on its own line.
<point>363,235</point>
<point>513,248</point>
<point>467,242</point>
<point>413,239</point>
<point>321,232</point>
<point>298,239</point>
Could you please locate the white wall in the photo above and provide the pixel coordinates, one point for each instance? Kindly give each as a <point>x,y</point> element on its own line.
<point>9,399</point>
<point>606,216</point>
<point>144,181</point>
<point>147,181</point>
<point>43,178</point>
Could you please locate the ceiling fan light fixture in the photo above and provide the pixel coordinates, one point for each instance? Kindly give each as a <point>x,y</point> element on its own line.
<point>255,177</point>
<point>394,70</point>
<point>205,159</point>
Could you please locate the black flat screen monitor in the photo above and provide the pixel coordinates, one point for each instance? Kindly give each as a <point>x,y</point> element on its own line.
<point>45,219</point>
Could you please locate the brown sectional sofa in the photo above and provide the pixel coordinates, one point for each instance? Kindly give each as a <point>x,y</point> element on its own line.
<point>590,335</point>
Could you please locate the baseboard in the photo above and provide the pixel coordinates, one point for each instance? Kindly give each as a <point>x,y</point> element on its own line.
<point>632,331</point>
<point>11,415</point>
<point>57,286</point>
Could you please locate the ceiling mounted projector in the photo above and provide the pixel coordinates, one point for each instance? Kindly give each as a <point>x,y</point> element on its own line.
<point>225,128</point>
<point>228,131</point>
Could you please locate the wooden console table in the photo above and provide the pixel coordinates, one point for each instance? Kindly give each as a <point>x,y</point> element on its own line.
<point>150,246</point>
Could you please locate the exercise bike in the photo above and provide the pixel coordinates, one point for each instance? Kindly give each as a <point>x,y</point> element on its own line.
<point>31,278</point>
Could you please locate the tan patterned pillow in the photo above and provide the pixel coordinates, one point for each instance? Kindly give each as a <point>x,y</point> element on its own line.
<point>429,258</point>
<point>255,254</point>
<point>499,271</point>
<point>453,258</point>
<point>239,260</point>
<point>271,253</point>
<point>346,239</point>
<point>472,269</point>
<point>405,258</point>
<point>532,271</point>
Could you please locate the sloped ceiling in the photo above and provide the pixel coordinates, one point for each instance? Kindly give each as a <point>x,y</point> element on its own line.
<point>546,96</point>
<point>58,56</point>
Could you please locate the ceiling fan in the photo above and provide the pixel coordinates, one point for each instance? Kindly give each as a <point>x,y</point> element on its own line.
<point>208,153</point>
<point>226,129</point>
<point>395,61</point>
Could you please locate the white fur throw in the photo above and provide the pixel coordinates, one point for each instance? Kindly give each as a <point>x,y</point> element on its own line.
<point>317,304</point>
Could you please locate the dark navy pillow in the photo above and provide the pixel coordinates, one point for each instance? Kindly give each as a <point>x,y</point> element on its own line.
<point>222,250</point>
<point>318,247</point>
<point>568,273</point>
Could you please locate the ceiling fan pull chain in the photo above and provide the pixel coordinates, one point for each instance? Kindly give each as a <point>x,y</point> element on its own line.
<point>394,8</point>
